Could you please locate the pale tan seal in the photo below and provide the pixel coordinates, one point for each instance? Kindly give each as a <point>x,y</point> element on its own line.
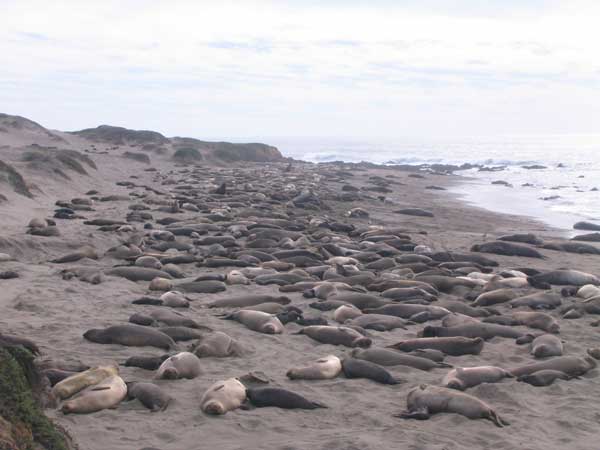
<point>107,394</point>
<point>223,396</point>
<point>322,369</point>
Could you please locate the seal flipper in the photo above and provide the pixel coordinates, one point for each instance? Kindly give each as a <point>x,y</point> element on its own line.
<point>418,414</point>
<point>498,421</point>
<point>319,405</point>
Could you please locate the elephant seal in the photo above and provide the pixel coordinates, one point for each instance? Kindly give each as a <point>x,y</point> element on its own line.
<point>133,273</point>
<point>257,321</point>
<point>179,333</point>
<point>544,377</point>
<point>79,381</point>
<point>346,312</point>
<point>361,301</point>
<point>444,283</point>
<point>182,365</point>
<point>145,362</point>
<point>85,252</point>
<point>218,345</point>
<point>387,357</point>
<point>106,394</point>
<point>564,277</point>
<point>540,300</point>
<point>570,365</point>
<point>474,330</point>
<point>495,297</point>
<point>462,378</point>
<point>359,368</point>
<point>202,287</point>
<point>538,320</point>
<point>55,376</point>
<point>377,322</point>
<point>426,400</point>
<point>236,277</point>
<point>409,293</point>
<point>454,346</point>
<point>245,301</point>
<point>546,345</point>
<point>408,310</point>
<point>223,396</point>
<point>333,335</point>
<point>149,395</point>
<point>507,249</point>
<point>148,261</point>
<point>174,299</point>
<point>322,369</point>
<point>130,335</point>
<point>280,398</point>
<point>588,291</point>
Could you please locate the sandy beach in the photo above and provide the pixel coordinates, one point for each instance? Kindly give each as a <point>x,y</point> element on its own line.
<point>55,311</point>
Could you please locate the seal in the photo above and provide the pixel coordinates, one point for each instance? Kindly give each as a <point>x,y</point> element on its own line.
<point>573,366</point>
<point>145,362</point>
<point>539,300</point>
<point>236,277</point>
<point>79,381</point>
<point>106,394</point>
<point>426,400</point>
<point>133,273</point>
<point>453,346</point>
<point>386,357</point>
<point>377,322</point>
<point>361,301</point>
<point>223,396</point>
<point>408,310</point>
<point>130,335</point>
<point>474,330</point>
<point>544,377</point>
<point>333,335</point>
<point>546,345</point>
<point>245,301</point>
<point>322,369</point>
<point>507,249</point>
<point>443,283</point>
<point>346,312</point>
<point>564,277</point>
<point>495,297</point>
<point>149,395</point>
<point>218,345</point>
<point>538,320</point>
<point>257,321</point>
<point>202,287</point>
<point>280,398</point>
<point>358,368</point>
<point>178,333</point>
<point>462,378</point>
<point>182,365</point>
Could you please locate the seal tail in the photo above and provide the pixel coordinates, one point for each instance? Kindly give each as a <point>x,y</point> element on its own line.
<point>319,405</point>
<point>443,364</point>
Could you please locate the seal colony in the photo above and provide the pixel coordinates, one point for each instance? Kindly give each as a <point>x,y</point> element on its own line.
<point>185,292</point>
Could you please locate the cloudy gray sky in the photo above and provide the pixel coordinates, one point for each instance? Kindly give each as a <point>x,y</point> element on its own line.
<point>304,68</point>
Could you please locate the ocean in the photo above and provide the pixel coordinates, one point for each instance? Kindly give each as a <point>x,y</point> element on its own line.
<point>565,191</point>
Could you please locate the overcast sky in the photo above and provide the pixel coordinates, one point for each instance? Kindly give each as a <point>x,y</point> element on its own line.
<point>304,68</point>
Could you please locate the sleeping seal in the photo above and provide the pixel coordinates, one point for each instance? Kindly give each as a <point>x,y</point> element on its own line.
<point>257,321</point>
<point>322,369</point>
<point>223,396</point>
<point>130,335</point>
<point>333,335</point>
<point>426,400</point>
<point>149,395</point>
<point>463,378</point>
<point>280,398</point>
<point>107,394</point>
<point>182,365</point>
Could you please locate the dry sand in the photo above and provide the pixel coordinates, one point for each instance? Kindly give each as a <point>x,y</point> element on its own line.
<point>55,313</point>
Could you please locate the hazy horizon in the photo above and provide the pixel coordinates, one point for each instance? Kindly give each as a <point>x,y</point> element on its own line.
<point>357,70</point>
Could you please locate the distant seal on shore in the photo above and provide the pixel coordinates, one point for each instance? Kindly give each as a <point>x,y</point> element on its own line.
<point>223,396</point>
<point>145,362</point>
<point>182,365</point>
<point>245,301</point>
<point>149,395</point>
<point>426,400</point>
<point>546,345</point>
<point>133,273</point>
<point>564,277</point>
<point>130,335</point>
<point>257,321</point>
<point>218,345</point>
<point>106,394</point>
<point>281,398</point>
<point>358,368</point>
<point>322,369</point>
<point>570,365</point>
<point>544,377</point>
<point>336,335</point>
<point>387,357</point>
<point>462,378</point>
<point>454,346</point>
